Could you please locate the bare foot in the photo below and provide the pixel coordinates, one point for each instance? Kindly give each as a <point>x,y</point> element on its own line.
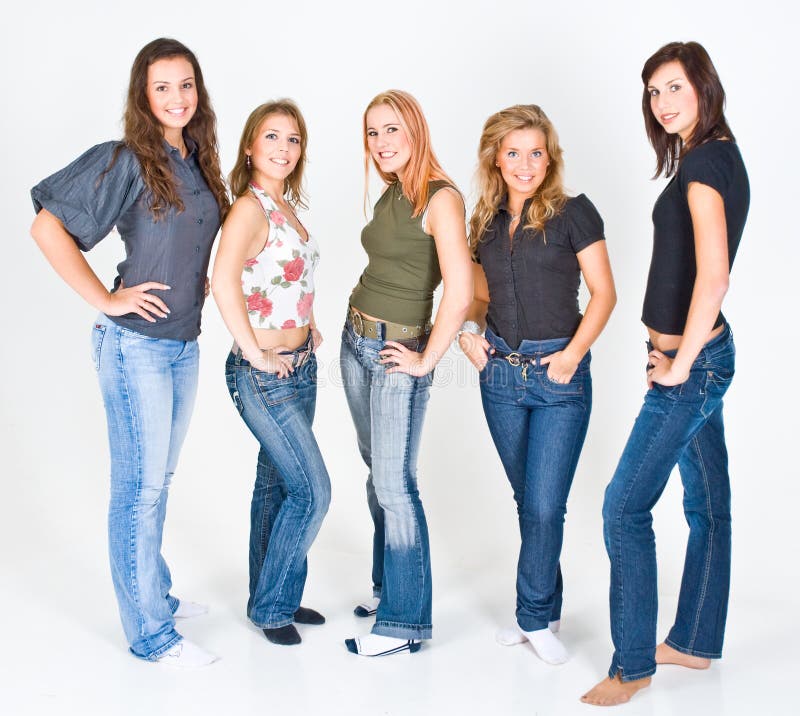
<point>665,654</point>
<point>611,692</point>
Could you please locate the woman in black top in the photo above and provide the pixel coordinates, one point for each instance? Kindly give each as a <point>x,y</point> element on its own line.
<point>162,188</point>
<point>698,221</point>
<point>531,243</point>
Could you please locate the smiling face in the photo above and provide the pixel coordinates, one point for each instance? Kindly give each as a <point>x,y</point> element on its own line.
<point>673,100</point>
<point>275,151</point>
<point>172,95</point>
<point>387,140</point>
<point>522,159</point>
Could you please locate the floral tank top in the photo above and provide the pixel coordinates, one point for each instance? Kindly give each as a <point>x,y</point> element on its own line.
<point>278,284</point>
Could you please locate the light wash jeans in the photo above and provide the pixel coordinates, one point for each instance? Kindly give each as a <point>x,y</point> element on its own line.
<point>148,387</point>
<point>538,427</point>
<point>292,489</point>
<point>680,425</point>
<point>388,411</point>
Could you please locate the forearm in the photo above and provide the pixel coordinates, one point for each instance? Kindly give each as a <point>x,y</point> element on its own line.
<point>594,320</point>
<point>229,300</point>
<point>451,314</point>
<point>477,312</point>
<point>66,258</point>
<point>704,308</point>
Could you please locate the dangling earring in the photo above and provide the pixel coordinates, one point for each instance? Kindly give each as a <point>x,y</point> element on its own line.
<point>247,162</point>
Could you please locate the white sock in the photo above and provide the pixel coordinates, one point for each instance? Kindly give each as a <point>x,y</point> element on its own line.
<point>187,609</point>
<point>548,646</point>
<point>377,645</point>
<point>186,655</point>
<point>510,636</point>
<point>368,607</point>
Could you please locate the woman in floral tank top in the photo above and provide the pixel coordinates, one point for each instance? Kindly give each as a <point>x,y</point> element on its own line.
<point>263,283</point>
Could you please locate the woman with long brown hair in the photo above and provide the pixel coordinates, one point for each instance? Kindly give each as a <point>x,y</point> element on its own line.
<point>698,222</point>
<point>532,243</point>
<point>416,239</point>
<point>263,283</point>
<point>161,186</point>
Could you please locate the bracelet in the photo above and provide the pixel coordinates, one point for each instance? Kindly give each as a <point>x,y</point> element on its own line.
<point>469,327</point>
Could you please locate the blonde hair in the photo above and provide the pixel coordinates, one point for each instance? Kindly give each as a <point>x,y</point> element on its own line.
<point>241,174</point>
<point>423,166</point>
<point>549,197</point>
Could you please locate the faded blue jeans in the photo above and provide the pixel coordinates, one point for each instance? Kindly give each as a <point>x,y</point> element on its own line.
<point>538,427</point>
<point>148,386</point>
<point>292,489</point>
<point>388,411</point>
<point>680,425</point>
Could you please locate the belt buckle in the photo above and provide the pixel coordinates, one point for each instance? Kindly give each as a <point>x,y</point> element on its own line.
<point>514,359</point>
<point>358,322</point>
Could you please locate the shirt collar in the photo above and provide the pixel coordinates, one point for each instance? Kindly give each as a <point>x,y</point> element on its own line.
<point>191,147</point>
<point>503,205</point>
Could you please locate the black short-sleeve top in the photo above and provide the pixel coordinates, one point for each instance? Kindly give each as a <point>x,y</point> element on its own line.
<point>92,195</point>
<point>534,276</point>
<point>673,266</point>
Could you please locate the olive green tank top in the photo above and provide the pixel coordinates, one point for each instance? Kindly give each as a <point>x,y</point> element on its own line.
<point>403,270</point>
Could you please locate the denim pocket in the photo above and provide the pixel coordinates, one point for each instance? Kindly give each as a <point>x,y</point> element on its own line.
<point>574,387</point>
<point>127,333</point>
<point>98,333</point>
<point>719,377</point>
<point>274,390</point>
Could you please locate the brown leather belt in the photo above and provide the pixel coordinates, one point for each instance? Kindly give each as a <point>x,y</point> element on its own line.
<point>392,331</point>
<point>299,355</point>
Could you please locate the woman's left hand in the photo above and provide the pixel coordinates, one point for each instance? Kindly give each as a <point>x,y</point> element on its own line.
<point>316,338</point>
<point>661,370</point>
<point>560,367</point>
<point>402,360</point>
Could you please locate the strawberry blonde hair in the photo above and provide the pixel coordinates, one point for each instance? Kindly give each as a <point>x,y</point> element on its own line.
<point>423,166</point>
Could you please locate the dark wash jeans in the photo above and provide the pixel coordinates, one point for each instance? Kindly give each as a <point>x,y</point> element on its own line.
<point>538,427</point>
<point>680,425</point>
<point>388,411</point>
<point>292,490</point>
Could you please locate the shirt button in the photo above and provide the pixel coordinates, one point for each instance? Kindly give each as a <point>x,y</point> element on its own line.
<point>197,274</point>
<point>199,221</point>
<point>197,249</point>
<point>195,303</point>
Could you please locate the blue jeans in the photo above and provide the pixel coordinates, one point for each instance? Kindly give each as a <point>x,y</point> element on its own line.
<point>538,427</point>
<point>148,387</point>
<point>680,425</point>
<point>292,489</point>
<point>388,411</point>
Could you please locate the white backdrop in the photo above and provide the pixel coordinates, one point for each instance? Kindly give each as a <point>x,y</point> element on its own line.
<point>65,68</point>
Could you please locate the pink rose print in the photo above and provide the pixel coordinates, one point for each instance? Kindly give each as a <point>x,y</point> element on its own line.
<point>293,269</point>
<point>260,304</point>
<point>289,323</point>
<point>250,262</point>
<point>304,305</point>
<point>277,218</point>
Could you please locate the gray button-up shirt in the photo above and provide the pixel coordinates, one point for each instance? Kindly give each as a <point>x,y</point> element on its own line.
<point>90,197</point>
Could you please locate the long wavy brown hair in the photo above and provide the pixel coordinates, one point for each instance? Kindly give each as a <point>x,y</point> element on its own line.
<point>144,135</point>
<point>423,166</point>
<point>241,174</point>
<point>549,197</point>
<point>711,122</point>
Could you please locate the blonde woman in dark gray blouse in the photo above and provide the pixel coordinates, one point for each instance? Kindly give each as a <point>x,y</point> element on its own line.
<point>532,243</point>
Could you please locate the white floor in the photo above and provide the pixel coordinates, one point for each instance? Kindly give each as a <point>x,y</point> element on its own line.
<point>64,653</point>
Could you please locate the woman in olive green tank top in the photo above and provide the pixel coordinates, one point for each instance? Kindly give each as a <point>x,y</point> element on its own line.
<point>416,239</point>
